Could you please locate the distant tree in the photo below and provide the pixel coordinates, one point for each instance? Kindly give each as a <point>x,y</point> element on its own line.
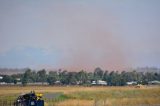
<point>17,76</point>
<point>42,76</point>
<point>98,74</point>
<point>15,81</point>
<point>64,77</point>
<point>110,77</point>
<point>24,81</point>
<point>90,76</point>
<point>7,79</point>
<point>52,77</point>
<point>105,76</point>
<point>82,77</point>
<point>156,76</point>
<point>51,80</point>
<point>149,76</point>
<point>26,77</point>
<point>123,78</point>
<point>114,79</point>
<point>71,78</point>
<point>34,76</point>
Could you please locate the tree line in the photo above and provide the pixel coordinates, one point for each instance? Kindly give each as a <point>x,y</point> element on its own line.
<point>113,78</point>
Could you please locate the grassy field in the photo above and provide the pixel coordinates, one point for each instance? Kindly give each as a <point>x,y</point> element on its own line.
<point>87,96</point>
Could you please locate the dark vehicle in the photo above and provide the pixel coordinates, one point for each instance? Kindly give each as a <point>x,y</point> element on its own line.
<point>29,99</point>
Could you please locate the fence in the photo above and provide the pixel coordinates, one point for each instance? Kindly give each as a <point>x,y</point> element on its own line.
<point>6,102</point>
<point>50,102</point>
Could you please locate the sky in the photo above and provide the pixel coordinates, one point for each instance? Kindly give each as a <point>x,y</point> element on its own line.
<point>79,34</point>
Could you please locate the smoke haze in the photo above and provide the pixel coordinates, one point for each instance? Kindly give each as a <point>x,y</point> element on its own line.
<point>77,35</point>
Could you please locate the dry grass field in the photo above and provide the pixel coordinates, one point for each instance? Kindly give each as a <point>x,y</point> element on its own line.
<point>89,96</point>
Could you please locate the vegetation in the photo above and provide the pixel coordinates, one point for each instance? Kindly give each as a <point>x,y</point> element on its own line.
<point>113,78</point>
<point>86,96</point>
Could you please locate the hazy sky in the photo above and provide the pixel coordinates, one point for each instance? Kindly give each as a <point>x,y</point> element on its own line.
<point>79,34</point>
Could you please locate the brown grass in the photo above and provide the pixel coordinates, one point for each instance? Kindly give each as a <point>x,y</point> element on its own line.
<point>93,96</point>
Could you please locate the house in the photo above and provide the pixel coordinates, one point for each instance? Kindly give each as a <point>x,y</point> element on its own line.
<point>155,82</point>
<point>3,83</point>
<point>132,83</point>
<point>19,83</point>
<point>99,82</point>
<point>57,82</point>
<point>18,79</point>
<point>93,83</point>
<point>1,77</point>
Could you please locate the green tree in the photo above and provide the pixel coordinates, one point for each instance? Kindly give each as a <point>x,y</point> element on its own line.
<point>90,76</point>
<point>64,77</point>
<point>26,77</point>
<point>98,74</point>
<point>82,77</point>
<point>71,78</point>
<point>52,77</point>
<point>7,79</point>
<point>51,80</point>
<point>105,76</point>
<point>42,77</point>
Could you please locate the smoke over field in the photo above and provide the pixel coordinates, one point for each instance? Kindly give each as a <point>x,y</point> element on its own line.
<point>77,35</point>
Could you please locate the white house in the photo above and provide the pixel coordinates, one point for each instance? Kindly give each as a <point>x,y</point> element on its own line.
<point>18,79</point>
<point>99,82</point>
<point>132,83</point>
<point>155,82</point>
<point>57,82</point>
<point>3,83</point>
<point>93,82</point>
<point>1,77</point>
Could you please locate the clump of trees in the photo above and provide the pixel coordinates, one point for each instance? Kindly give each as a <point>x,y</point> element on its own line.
<point>113,78</point>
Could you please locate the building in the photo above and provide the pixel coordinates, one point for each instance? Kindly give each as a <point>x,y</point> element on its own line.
<point>1,77</point>
<point>18,79</point>
<point>155,82</point>
<point>132,83</point>
<point>93,83</point>
<point>99,82</point>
